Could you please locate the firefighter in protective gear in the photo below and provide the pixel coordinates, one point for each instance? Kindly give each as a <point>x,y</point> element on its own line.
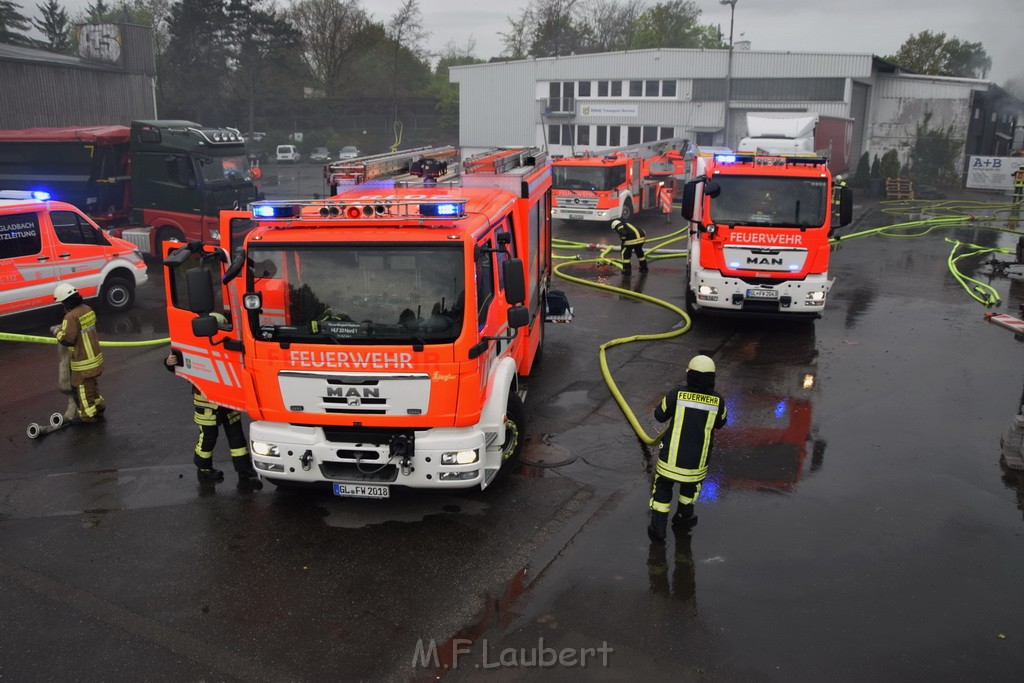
<point>1018,184</point>
<point>210,416</point>
<point>78,332</point>
<point>632,239</point>
<point>694,411</point>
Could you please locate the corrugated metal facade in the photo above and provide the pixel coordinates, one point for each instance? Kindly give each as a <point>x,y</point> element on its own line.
<point>508,102</point>
<point>59,90</point>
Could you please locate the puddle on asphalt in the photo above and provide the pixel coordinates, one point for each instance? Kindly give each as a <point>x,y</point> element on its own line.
<point>357,514</point>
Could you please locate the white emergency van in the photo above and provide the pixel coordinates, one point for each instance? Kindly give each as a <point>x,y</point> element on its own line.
<point>44,242</point>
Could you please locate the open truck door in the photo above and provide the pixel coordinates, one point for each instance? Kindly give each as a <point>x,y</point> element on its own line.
<point>199,311</point>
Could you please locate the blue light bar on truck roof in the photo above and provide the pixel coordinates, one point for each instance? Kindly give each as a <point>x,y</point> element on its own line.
<point>447,209</point>
<point>38,195</point>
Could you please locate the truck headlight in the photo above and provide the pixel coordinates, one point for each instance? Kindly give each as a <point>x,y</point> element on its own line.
<point>816,296</point>
<point>707,290</point>
<point>215,233</point>
<point>265,449</point>
<point>467,457</point>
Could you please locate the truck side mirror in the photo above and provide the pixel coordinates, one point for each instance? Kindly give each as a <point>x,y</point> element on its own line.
<point>845,206</point>
<point>504,238</point>
<point>712,189</point>
<point>518,316</point>
<point>515,281</point>
<point>200,291</point>
<point>689,198</point>
<point>204,326</point>
<point>234,269</point>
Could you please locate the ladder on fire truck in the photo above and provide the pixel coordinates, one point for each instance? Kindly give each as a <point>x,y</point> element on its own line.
<point>502,160</point>
<point>400,166</point>
<point>644,150</point>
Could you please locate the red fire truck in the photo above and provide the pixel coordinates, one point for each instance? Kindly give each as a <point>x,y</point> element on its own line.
<point>380,337</point>
<point>616,183</point>
<point>760,229</point>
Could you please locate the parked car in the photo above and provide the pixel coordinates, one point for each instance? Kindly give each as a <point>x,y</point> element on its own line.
<point>288,154</point>
<point>348,152</point>
<point>45,242</point>
<point>320,154</point>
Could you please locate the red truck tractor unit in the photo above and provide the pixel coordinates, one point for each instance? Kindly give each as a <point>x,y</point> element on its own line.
<point>379,337</point>
<point>760,231</point>
<point>614,184</point>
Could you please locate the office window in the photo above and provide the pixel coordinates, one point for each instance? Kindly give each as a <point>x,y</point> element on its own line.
<point>616,88</point>
<point>650,133</point>
<point>633,135</point>
<point>602,136</point>
<point>602,88</point>
<point>666,133</point>
<point>668,88</point>
<point>614,136</point>
<point>583,89</point>
<point>652,88</point>
<point>554,137</point>
<point>636,88</point>
<point>582,135</point>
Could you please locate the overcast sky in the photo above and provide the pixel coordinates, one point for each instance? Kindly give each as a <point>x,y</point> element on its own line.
<point>863,26</point>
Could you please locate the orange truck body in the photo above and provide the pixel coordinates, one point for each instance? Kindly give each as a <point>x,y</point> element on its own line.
<point>760,233</point>
<point>618,183</point>
<point>371,335</point>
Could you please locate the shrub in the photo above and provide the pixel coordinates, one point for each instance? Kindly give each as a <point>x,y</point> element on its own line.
<point>860,177</point>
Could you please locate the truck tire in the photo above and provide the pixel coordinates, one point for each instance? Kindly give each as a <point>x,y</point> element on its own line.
<point>163,235</point>
<point>117,293</point>
<point>627,211</point>
<point>515,423</point>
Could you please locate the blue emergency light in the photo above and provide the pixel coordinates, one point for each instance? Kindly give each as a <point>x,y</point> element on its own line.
<point>446,209</point>
<point>725,158</point>
<point>273,211</point>
<point>42,196</point>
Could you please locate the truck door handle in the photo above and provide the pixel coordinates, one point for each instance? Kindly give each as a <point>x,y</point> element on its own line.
<point>43,258</point>
<point>65,255</point>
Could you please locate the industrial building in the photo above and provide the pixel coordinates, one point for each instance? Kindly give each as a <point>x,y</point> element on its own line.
<point>601,101</point>
<point>111,81</point>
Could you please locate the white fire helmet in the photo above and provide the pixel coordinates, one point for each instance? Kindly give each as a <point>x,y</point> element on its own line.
<point>701,364</point>
<point>62,291</point>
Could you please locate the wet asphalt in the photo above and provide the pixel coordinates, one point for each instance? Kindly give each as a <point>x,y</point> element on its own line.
<point>856,523</point>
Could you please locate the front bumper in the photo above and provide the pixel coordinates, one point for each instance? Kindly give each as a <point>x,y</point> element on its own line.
<point>581,214</point>
<point>805,297</point>
<point>314,454</point>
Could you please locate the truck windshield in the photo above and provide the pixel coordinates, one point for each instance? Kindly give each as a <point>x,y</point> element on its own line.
<point>359,294</point>
<point>771,201</point>
<point>231,170</point>
<point>592,178</point>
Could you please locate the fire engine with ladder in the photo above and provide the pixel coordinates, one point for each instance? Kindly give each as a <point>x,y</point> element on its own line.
<point>760,229</point>
<point>380,337</point>
<point>616,183</point>
<point>428,164</point>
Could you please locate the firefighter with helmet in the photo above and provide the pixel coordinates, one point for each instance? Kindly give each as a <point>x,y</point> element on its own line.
<point>693,411</point>
<point>632,239</point>
<point>1018,184</point>
<point>78,332</point>
<point>210,417</point>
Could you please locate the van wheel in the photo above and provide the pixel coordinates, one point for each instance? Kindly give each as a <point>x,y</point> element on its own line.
<point>117,293</point>
<point>515,424</point>
<point>627,211</point>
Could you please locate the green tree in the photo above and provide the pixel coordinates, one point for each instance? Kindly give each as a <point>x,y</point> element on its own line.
<point>13,24</point>
<point>446,92</point>
<point>259,40</point>
<point>890,166</point>
<point>934,153</point>
<point>611,25</point>
<point>860,177</point>
<point>197,60</point>
<point>935,54</point>
<point>876,168</point>
<point>98,12</point>
<point>407,35</point>
<point>333,33</point>
<point>55,25</point>
<point>673,24</point>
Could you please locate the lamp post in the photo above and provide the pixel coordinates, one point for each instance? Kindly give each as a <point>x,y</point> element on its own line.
<point>728,72</point>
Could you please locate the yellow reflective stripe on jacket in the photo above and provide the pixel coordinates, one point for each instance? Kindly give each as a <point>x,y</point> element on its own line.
<point>697,404</point>
<point>634,242</point>
<point>200,401</point>
<point>88,364</point>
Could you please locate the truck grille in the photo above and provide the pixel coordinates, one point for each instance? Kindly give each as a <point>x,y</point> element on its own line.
<point>350,393</point>
<point>573,202</point>
<point>343,471</point>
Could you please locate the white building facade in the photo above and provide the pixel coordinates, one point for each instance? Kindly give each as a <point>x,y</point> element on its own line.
<point>601,101</point>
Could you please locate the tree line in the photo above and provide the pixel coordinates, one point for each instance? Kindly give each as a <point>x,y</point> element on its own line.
<point>246,62</point>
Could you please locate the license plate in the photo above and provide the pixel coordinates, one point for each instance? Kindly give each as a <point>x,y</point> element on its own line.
<point>576,216</point>
<point>362,491</point>
<point>762,294</point>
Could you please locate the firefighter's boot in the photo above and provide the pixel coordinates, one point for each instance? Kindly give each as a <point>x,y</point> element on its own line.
<point>247,476</point>
<point>205,470</point>
<point>643,266</point>
<point>684,518</point>
<point>627,267</point>
<point>658,526</point>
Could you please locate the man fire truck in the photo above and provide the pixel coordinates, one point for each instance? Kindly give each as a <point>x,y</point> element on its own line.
<point>147,183</point>
<point>391,168</point>
<point>377,337</point>
<point>760,229</point>
<point>616,183</point>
